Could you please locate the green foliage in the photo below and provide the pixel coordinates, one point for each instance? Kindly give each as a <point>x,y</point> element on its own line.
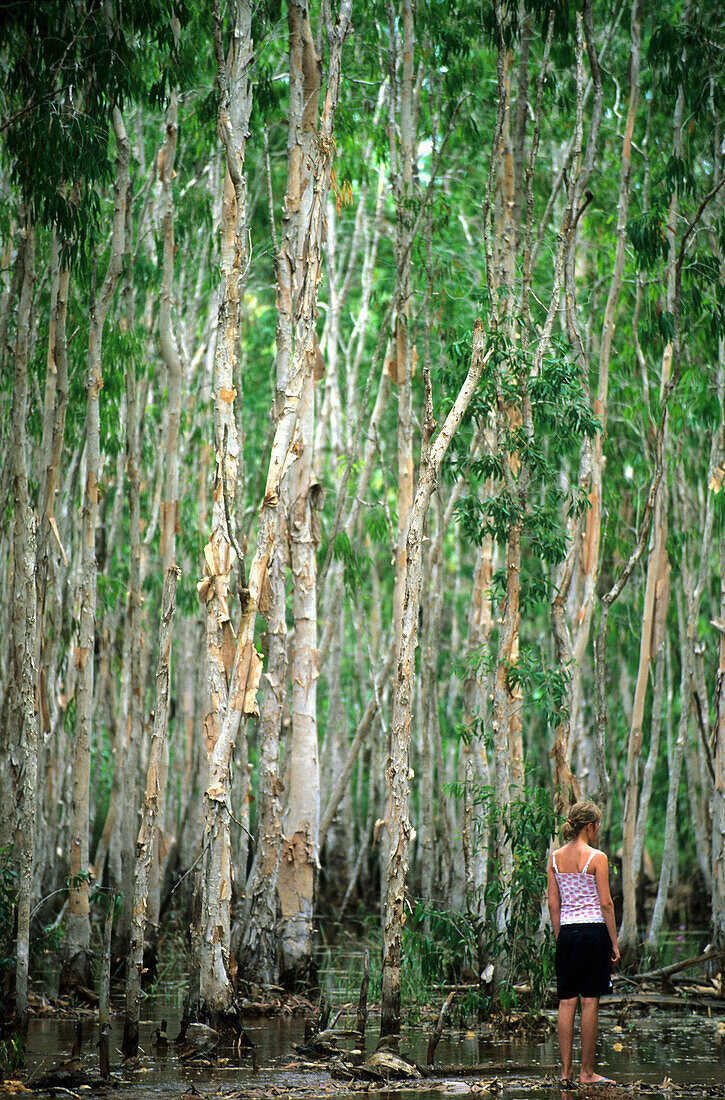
<point>685,53</point>
<point>43,940</point>
<point>65,67</point>
<point>356,565</point>
<point>561,418</point>
<point>523,947</point>
<point>442,942</point>
<point>12,1057</point>
<point>8,891</point>
<point>438,944</point>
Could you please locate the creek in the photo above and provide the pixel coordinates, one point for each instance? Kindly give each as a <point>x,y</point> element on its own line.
<point>687,1049</point>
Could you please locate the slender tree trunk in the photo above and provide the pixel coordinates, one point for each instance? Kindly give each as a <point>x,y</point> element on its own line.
<point>77,938</point>
<point>147,849</point>
<point>300,823</point>
<point>298,273</point>
<point>476,693</point>
<point>640,833</point>
<point>259,952</point>
<point>694,588</point>
<point>396,870</point>
<point>233,77</point>
<point>123,839</point>
<point>24,720</point>
<point>717,807</point>
<point>656,592</point>
<point>592,533</point>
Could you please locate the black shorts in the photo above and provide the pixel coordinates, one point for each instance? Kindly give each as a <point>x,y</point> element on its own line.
<point>583,961</point>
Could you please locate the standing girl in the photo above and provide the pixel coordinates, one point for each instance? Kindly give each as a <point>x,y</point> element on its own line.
<point>582,915</point>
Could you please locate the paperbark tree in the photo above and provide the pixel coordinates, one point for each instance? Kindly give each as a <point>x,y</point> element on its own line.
<point>396,871</point>
<point>694,582</point>
<point>718,794</point>
<point>211,961</point>
<point>298,274</point>
<point>258,955</point>
<point>155,793</point>
<point>77,938</point>
<point>519,363</point>
<point>23,733</point>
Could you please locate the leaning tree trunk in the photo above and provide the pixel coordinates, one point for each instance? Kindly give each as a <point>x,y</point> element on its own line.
<point>396,870</point>
<point>78,928</point>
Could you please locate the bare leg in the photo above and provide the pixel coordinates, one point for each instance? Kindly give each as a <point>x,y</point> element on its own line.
<point>589,1022</point>
<point>567,1011</point>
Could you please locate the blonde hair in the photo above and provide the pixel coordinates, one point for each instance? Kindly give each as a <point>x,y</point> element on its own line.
<point>580,815</point>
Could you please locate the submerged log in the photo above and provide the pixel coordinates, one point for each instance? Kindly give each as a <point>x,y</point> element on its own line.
<point>665,972</point>
<point>680,1003</point>
<point>382,1066</point>
<point>438,1029</point>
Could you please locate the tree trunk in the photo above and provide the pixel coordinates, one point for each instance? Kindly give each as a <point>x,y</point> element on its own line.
<point>147,847</point>
<point>398,777</point>
<point>235,104</point>
<point>298,274</point>
<point>300,822</point>
<point>258,956</point>
<point>125,831</point>
<point>656,600</point>
<point>77,940</point>
<point>693,598</point>
<point>717,809</point>
<point>24,722</point>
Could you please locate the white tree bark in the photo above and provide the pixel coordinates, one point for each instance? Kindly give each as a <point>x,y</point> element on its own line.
<point>213,980</point>
<point>146,868</point>
<point>258,956</point>
<point>398,776</point>
<point>717,808</point>
<point>78,929</point>
<point>298,274</point>
<point>24,720</point>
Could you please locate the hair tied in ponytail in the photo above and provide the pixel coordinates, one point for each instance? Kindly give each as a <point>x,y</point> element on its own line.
<point>580,815</point>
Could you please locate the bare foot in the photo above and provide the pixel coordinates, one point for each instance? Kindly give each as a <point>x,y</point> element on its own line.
<point>595,1079</point>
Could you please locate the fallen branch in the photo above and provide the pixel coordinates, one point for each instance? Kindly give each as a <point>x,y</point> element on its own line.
<point>675,968</point>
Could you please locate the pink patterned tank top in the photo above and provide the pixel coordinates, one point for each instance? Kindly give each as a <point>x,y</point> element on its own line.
<point>579,897</point>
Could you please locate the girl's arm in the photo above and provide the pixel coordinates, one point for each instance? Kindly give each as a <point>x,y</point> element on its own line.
<point>553,898</point>
<point>600,865</point>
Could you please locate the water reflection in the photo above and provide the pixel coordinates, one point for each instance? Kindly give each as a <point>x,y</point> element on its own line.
<point>686,1049</point>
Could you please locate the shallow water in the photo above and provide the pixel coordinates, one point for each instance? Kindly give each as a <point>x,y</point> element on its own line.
<point>685,1048</point>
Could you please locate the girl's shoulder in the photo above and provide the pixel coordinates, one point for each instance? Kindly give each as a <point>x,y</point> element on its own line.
<point>597,856</point>
<point>559,853</point>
